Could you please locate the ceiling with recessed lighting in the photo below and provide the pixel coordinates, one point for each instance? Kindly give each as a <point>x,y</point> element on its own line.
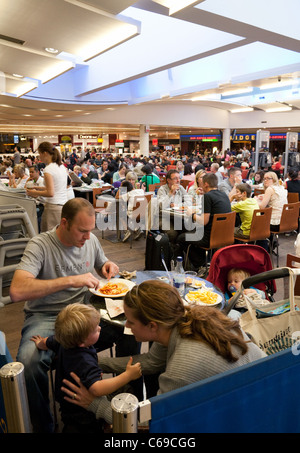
<point>97,66</point>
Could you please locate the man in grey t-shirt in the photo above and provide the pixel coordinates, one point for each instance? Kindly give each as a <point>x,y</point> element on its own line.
<point>17,155</point>
<point>228,186</point>
<point>56,270</point>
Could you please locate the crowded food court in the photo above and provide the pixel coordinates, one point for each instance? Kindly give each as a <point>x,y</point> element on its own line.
<point>149,231</point>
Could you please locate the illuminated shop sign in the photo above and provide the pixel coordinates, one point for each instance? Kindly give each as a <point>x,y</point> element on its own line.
<point>204,138</point>
<point>243,137</point>
<point>88,137</point>
<point>236,137</point>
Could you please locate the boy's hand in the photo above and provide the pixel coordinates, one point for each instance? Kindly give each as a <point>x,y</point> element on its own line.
<point>134,371</point>
<point>40,342</point>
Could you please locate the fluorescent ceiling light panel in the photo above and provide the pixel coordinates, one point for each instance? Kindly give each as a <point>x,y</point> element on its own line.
<point>55,71</point>
<point>277,84</point>
<point>279,109</point>
<point>242,110</point>
<point>109,40</point>
<point>237,91</point>
<point>207,97</point>
<point>25,88</point>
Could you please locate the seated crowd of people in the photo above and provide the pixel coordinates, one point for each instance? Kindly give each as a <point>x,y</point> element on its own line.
<point>223,193</point>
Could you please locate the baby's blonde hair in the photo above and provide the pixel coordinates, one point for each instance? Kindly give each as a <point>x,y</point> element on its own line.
<point>240,272</point>
<point>74,324</point>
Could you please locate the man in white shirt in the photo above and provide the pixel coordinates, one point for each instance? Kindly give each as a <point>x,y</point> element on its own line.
<point>215,169</point>
<point>35,179</point>
<point>169,195</point>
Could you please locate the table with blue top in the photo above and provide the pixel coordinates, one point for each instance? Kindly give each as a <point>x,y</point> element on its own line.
<point>141,276</point>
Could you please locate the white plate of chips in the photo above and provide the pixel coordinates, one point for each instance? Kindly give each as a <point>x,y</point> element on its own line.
<point>203,297</point>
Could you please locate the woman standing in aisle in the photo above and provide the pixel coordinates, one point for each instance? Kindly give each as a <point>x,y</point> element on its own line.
<point>55,189</point>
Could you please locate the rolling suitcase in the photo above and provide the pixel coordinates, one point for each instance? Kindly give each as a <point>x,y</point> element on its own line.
<point>157,247</point>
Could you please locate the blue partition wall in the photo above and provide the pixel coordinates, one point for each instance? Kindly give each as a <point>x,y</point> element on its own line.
<point>262,397</point>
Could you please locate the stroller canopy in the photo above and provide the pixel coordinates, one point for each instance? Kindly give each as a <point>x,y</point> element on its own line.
<point>251,258</point>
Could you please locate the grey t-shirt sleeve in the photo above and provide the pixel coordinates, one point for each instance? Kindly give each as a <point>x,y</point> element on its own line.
<point>33,257</point>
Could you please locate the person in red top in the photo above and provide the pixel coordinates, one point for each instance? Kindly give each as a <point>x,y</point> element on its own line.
<point>277,166</point>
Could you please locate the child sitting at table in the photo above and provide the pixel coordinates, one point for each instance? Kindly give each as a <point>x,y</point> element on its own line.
<point>234,280</point>
<point>76,331</point>
<point>244,207</point>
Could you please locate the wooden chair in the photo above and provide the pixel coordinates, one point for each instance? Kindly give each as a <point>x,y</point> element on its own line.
<point>171,167</point>
<point>98,191</point>
<point>292,197</point>
<point>258,191</point>
<point>245,173</point>
<point>260,226</point>
<point>154,187</point>
<point>222,234</point>
<point>141,203</point>
<point>288,222</point>
<point>100,205</point>
<point>290,262</point>
<point>184,183</point>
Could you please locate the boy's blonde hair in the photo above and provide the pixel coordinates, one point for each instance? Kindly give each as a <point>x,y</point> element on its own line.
<point>240,272</point>
<point>74,324</point>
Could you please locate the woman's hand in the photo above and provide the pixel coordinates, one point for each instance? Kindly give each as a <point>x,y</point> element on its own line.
<point>32,193</point>
<point>77,394</point>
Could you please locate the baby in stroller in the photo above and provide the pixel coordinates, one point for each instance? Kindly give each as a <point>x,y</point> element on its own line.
<point>252,260</point>
<point>234,280</point>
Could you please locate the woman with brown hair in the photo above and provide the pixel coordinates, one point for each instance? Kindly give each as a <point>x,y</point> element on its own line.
<point>190,343</point>
<point>55,189</point>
